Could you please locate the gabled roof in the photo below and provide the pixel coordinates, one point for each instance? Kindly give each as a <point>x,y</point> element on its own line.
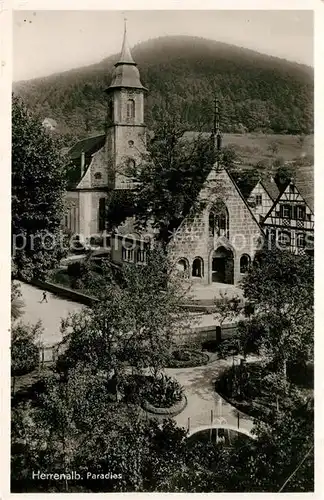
<point>304,182</point>
<point>88,146</point>
<point>271,188</point>
<point>242,197</point>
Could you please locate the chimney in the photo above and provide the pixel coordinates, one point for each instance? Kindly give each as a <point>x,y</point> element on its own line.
<point>82,162</point>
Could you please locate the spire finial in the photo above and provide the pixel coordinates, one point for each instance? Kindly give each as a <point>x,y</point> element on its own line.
<point>216,135</point>
<point>125,55</point>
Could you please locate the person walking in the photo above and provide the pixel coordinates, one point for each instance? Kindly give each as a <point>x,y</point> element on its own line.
<point>44,299</point>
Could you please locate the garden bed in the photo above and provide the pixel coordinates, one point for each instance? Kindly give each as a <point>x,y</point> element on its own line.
<point>257,395</point>
<point>162,395</point>
<point>171,411</point>
<point>187,358</point>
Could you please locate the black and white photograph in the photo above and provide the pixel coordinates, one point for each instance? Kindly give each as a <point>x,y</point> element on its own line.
<point>162,251</point>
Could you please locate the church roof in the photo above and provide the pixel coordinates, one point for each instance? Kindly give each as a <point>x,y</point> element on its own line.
<point>126,73</point>
<point>88,146</point>
<point>125,54</point>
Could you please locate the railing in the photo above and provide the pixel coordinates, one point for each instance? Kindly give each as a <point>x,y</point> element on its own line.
<point>213,419</point>
<point>49,354</point>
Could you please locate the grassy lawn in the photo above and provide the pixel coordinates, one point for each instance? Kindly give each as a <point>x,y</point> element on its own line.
<point>253,148</point>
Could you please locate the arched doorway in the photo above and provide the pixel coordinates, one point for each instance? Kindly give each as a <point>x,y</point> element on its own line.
<point>198,268</point>
<point>222,266</point>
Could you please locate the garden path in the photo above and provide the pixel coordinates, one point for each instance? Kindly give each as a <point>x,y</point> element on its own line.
<point>199,386</point>
<point>49,313</point>
<point>198,382</point>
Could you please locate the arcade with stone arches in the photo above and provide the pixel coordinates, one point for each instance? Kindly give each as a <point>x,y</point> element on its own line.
<point>222,266</point>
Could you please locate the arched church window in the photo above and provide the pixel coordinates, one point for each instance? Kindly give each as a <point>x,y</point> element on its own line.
<point>211,224</point>
<point>131,164</point>
<point>245,262</point>
<point>219,220</point>
<point>198,267</point>
<point>131,144</point>
<point>182,266</point>
<point>130,109</point>
<point>111,110</point>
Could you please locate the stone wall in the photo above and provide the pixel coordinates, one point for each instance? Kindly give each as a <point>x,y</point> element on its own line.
<point>193,239</point>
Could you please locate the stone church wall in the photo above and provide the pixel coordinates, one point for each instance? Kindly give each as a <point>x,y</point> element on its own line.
<point>193,239</point>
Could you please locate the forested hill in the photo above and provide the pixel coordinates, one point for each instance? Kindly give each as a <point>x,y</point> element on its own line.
<point>256,92</point>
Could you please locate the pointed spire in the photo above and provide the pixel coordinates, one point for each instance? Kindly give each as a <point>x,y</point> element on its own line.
<point>216,133</point>
<point>125,55</point>
<point>126,73</point>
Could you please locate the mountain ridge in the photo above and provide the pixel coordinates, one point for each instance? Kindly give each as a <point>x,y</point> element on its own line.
<point>256,91</point>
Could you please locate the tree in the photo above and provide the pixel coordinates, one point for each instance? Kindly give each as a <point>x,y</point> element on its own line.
<point>280,284</point>
<point>133,322</point>
<point>24,351</point>
<point>283,175</point>
<point>282,457</point>
<point>273,148</point>
<point>246,180</point>
<point>301,141</point>
<point>38,184</point>
<point>170,177</point>
<point>16,301</point>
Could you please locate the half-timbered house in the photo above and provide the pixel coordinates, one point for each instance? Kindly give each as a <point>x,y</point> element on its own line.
<point>262,197</point>
<point>289,224</point>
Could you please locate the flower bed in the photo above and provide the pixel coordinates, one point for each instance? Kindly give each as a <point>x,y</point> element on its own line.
<point>172,411</point>
<point>161,396</point>
<point>187,358</point>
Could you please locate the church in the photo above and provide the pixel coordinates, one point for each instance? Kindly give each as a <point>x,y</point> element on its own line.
<point>97,163</point>
<point>214,246</point>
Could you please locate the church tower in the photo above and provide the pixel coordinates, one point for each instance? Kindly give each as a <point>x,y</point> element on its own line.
<point>126,132</point>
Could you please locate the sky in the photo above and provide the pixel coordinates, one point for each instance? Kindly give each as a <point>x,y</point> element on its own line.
<point>46,42</point>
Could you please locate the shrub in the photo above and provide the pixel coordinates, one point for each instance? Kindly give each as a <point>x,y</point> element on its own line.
<point>164,392</point>
<point>61,278</point>
<point>135,387</point>
<point>24,352</point>
<point>181,358</point>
